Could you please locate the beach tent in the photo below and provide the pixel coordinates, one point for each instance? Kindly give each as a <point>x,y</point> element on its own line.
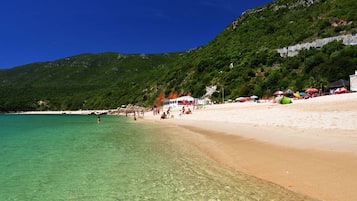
<point>286,100</point>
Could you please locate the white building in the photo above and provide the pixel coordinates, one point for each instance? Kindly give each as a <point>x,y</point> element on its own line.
<point>353,82</point>
<point>183,101</point>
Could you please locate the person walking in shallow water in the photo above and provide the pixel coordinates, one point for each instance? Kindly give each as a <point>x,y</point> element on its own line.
<point>98,119</point>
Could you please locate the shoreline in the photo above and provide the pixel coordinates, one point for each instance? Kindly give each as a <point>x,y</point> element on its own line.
<point>64,112</point>
<point>320,173</point>
<point>310,149</point>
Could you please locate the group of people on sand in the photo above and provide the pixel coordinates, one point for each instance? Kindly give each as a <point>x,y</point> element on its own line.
<point>184,111</point>
<point>167,114</point>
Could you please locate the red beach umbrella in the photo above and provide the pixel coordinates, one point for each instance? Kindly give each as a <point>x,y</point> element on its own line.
<point>278,93</point>
<point>311,90</point>
<point>242,99</point>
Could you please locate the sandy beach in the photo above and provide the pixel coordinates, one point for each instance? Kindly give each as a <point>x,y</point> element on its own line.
<point>309,146</point>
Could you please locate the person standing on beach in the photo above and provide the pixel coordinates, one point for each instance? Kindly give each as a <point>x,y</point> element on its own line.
<point>134,115</point>
<point>155,110</point>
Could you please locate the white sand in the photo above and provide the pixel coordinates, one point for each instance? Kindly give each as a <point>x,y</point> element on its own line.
<point>309,146</point>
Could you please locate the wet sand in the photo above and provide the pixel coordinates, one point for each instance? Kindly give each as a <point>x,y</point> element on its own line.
<point>309,147</point>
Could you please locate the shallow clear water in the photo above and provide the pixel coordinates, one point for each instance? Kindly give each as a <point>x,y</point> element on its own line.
<point>71,157</point>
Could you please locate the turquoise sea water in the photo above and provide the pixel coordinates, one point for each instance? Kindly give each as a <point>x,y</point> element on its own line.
<point>71,157</point>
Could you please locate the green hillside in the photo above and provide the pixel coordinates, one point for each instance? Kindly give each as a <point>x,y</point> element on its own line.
<point>88,81</point>
<point>250,43</point>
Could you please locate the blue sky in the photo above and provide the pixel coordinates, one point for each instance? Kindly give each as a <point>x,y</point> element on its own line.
<point>46,30</point>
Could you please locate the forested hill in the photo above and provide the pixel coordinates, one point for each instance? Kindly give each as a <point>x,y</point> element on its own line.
<point>243,59</point>
<point>88,81</point>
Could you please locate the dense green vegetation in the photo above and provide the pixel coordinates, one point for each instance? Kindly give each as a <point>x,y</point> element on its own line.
<point>83,82</point>
<point>97,81</point>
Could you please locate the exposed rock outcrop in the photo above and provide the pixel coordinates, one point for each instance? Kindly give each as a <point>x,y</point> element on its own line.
<point>291,51</point>
<point>299,3</point>
<point>274,6</point>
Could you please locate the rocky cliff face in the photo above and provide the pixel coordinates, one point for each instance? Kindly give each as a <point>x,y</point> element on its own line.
<point>296,4</point>
<point>293,50</point>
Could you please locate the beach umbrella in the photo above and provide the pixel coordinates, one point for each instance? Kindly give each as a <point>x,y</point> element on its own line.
<point>254,97</point>
<point>297,95</point>
<point>289,92</point>
<point>278,93</point>
<point>302,94</point>
<point>311,90</point>
<point>242,99</point>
